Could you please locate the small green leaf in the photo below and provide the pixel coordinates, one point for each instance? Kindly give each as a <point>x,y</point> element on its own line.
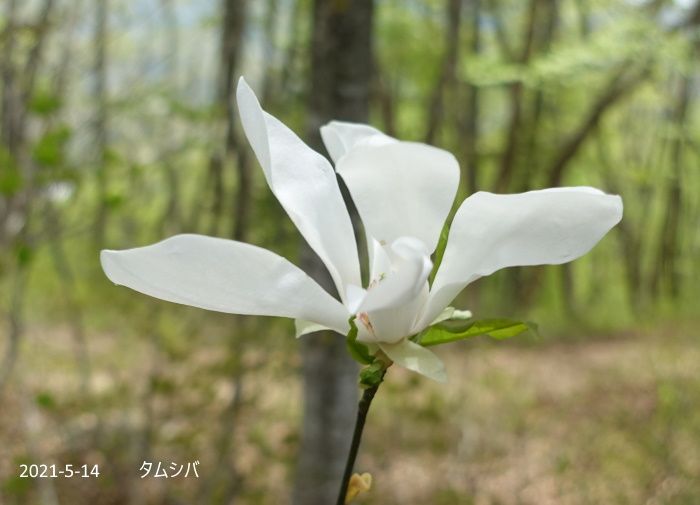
<point>45,400</point>
<point>357,350</point>
<point>10,174</point>
<point>25,253</point>
<point>113,200</point>
<point>440,250</point>
<point>44,103</point>
<point>49,150</point>
<point>10,181</point>
<point>499,329</point>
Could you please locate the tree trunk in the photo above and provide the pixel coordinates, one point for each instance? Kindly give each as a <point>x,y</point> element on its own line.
<point>669,238</point>
<point>233,12</point>
<point>446,79</point>
<point>341,56</point>
<point>513,137</point>
<point>100,121</point>
<point>471,126</point>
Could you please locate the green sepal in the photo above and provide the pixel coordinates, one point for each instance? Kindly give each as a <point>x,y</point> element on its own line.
<point>358,351</point>
<point>372,375</point>
<point>451,331</point>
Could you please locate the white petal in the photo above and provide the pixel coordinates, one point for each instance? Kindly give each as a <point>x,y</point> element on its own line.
<point>415,357</point>
<point>410,270</point>
<point>393,324</point>
<point>225,276</point>
<point>340,137</point>
<point>302,327</point>
<point>490,232</point>
<point>450,313</point>
<point>380,261</point>
<point>401,189</point>
<point>305,184</point>
<point>353,297</point>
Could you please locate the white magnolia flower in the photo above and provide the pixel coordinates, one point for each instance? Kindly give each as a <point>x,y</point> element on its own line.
<point>403,192</point>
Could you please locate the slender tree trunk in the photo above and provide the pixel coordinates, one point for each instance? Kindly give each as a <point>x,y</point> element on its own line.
<point>341,56</point>
<point>385,97</point>
<point>620,85</point>
<point>15,325</point>
<point>446,79</point>
<point>628,234</point>
<point>18,88</point>
<point>293,49</point>
<point>513,136</point>
<point>100,121</point>
<point>669,237</point>
<point>471,124</point>
<point>544,35</point>
<point>8,108</point>
<point>54,224</point>
<point>234,12</point>
<point>224,485</point>
<point>271,27</point>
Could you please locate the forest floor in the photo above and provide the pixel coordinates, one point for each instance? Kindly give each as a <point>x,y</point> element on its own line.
<point>611,420</point>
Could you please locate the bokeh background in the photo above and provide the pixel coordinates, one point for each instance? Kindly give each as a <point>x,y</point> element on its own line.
<point>118,129</point>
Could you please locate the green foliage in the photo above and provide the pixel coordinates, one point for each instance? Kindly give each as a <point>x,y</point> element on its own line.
<point>618,421</point>
<point>449,331</point>
<point>45,400</point>
<point>10,174</point>
<point>24,253</point>
<point>44,103</point>
<point>50,148</point>
<point>114,200</point>
<point>358,351</point>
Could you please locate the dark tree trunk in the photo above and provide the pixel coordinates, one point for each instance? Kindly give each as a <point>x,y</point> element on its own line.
<point>233,12</point>
<point>341,68</point>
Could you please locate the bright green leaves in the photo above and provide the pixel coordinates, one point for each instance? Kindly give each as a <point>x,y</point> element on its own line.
<point>450,331</point>
<point>358,351</point>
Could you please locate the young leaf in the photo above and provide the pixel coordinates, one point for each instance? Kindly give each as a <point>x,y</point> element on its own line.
<point>357,350</point>
<point>495,328</point>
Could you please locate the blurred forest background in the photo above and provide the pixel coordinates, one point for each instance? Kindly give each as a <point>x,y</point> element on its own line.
<point>117,129</point>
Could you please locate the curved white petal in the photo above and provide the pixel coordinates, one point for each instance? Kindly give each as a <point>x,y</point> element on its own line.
<point>450,313</point>
<point>225,276</point>
<point>340,137</point>
<point>401,189</point>
<point>415,357</point>
<point>490,232</point>
<point>409,272</point>
<point>390,325</point>
<point>302,327</point>
<point>380,261</point>
<point>305,184</point>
